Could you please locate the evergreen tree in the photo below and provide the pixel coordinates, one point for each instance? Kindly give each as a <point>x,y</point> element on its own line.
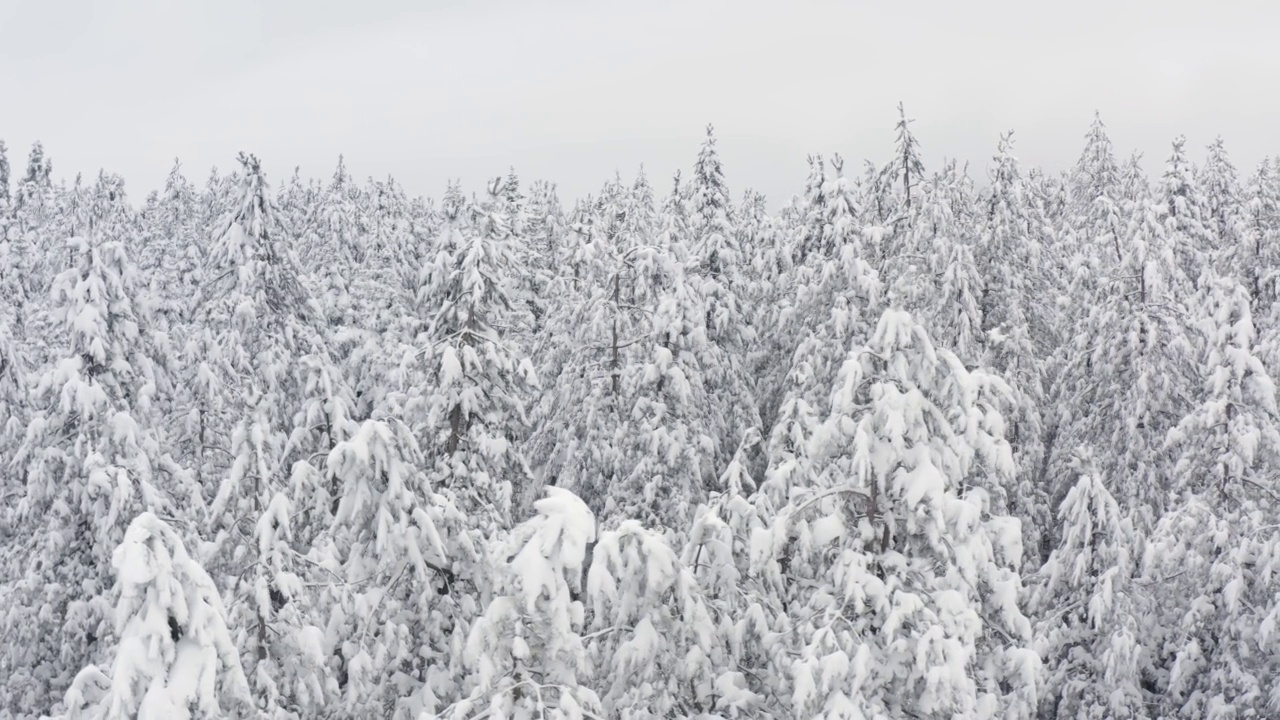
<point>89,462</point>
<point>1088,626</point>
<point>1010,259</point>
<point>1185,210</point>
<point>395,625</point>
<point>907,163</point>
<point>1260,238</point>
<point>901,621</point>
<point>526,654</point>
<point>261,310</point>
<point>472,404</point>
<point>720,271</point>
<point>4,175</point>
<point>174,654</point>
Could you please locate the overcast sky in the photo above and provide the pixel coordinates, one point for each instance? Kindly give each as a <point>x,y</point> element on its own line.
<point>572,91</point>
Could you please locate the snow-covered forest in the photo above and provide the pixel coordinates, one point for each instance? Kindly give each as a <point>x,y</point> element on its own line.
<point>926,442</point>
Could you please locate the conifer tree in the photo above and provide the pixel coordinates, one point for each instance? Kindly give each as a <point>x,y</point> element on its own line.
<point>901,621</point>
<point>173,654</point>
<point>1259,254</point>
<point>394,628</point>
<point>907,163</point>
<point>720,270</point>
<point>89,462</point>
<point>651,639</point>
<point>260,310</point>
<point>4,175</point>
<point>1088,624</point>
<point>472,406</point>
<point>1185,218</point>
<point>1231,439</point>
<point>1010,259</point>
<point>525,654</point>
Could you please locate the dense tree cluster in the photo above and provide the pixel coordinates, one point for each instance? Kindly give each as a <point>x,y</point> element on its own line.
<point>915,445</point>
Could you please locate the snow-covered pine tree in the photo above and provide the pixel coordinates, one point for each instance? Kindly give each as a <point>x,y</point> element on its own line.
<point>1209,601</point>
<point>525,654</point>
<point>744,601</point>
<point>1133,375</point>
<point>935,274</point>
<point>1209,569</point>
<point>1185,218</point>
<point>15,356</point>
<point>577,442</point>
<point>1096,214</point>
<point>811,213</point>
<point>1229,444</point>
<point>907,163</point>
<point>471,403</point>
<point>652,639</point>
<point>4,176</point>
<point>395,627</point>
<point>335,248</point>
<point>1223,208</point>
<point>256,314</point>
<point>669,448</point>
<point>545,226</point>
<point>913,604</point>
<point>1259,254</point>
<point>720,271</point>
<point>1016,327</point>
<point>1088,614</point>
<point>89,462</point>
<point>173,657</point>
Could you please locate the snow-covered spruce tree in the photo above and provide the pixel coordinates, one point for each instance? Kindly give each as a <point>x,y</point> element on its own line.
<point>470,403</point>
<point>38,224</point>
<point>720,269</point>
<point>811,214</point>
<point>545,226</point>
<point>525,654</point>
<point>577,442</point>
<point>1223,208</point>
<point>667,441</point>
<point>1096,215</point>
<point>1210,599</point>
<point>1132,375</point>
<point>15,356</point>
<point>936,275</point>
<point>255,312</point>
<point>913,605</point>
<point>1089,628</point>
<point>1259,254</point>
<point>878,194</point>
<point>771,269</point>
<point>1229,444</point>
<point>173,249</point>
<point>88,462</point>
<point>4,175</point>
<point>836,300</point>
<point>1184,213</point>
<point>334,245</point>
<point>557,349</point>
<point>1016,328</point>
<point>907,165</point>
<point>652,640</point>
<point>395,628</point>
<point>173,657</point>
<point>1210,572</point>
<point>744,600</point>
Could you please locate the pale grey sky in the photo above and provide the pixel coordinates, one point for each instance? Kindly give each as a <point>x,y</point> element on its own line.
<point>572,90</point>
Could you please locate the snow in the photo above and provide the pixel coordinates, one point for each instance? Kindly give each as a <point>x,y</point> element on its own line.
<point>911,446</point>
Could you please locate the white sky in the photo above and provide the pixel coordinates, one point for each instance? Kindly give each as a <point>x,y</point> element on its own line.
<point>573,90</point>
